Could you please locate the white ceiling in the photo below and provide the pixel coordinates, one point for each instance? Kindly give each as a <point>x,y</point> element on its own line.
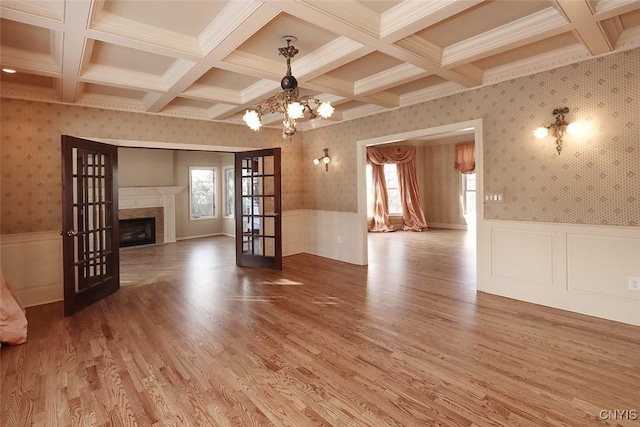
<point>213,59</point>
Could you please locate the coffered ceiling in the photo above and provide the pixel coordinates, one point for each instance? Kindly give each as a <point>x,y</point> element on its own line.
<point>213,59</point>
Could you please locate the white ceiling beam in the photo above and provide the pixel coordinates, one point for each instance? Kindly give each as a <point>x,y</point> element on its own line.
<point>250,20</point>
<point>585,26</point>
<point>411,16</point>
<point>75,22</point>
<point>333,22</point>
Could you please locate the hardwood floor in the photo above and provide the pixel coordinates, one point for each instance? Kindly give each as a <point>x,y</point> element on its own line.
<point>406,341</point>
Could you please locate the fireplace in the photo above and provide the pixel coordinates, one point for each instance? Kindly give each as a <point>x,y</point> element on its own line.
<point>137,231</point>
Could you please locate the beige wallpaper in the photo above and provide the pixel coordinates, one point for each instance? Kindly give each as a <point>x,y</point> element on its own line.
<point>596,179</point>
<point>441,185</point>
<point>30,181</point>
<point>593,181</point>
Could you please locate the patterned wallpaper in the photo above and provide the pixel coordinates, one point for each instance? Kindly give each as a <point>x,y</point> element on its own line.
<point>596,179</point>
<point>30,164</point>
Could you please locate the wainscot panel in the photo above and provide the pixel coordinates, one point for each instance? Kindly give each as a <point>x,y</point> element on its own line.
<point>587,266</point>
<point>32,265</point>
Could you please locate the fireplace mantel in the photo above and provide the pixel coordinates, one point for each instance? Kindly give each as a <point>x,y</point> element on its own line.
<point>149,197</point>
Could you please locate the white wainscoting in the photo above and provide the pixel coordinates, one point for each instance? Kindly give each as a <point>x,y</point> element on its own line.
<point>334,235</point>
<point>32,265</point>
<point>584,269</point>
<point>293,225</point>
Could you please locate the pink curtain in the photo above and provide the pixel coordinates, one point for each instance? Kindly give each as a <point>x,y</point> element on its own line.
<point>465,157</point>
<point>405,159</point>
<point>380,221</point>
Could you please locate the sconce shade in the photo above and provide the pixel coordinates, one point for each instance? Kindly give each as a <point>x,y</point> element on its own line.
<point>324,159</point>
<point>541,132</point>
<point>558,128</point>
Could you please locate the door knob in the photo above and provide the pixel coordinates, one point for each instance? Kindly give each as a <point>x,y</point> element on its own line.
<point>72,233</point>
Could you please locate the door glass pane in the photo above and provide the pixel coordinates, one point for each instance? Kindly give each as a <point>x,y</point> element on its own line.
<point>269,205</point>
<point>268,165</point>
<point>269,226</point>
<point>257,185</point>
<point>269,248</point>
<point>269,185</point>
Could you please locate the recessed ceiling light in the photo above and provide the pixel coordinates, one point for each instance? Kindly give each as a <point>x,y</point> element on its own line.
<point>9,70</point>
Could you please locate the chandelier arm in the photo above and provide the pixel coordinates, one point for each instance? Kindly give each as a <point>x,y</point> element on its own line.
<point>288,102</point>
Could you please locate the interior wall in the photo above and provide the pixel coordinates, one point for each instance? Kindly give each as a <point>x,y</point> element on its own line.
<point>228,222</point>
<point>442,183</point>
<point>31,196</point>
<point>593,181</point>
<point>185,227</point>
<point>144,167</point>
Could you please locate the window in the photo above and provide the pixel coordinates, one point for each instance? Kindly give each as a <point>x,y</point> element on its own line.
<point>202,193</point>
<point>393,189</point>
<point>469,192</point>
<point>227,172</point>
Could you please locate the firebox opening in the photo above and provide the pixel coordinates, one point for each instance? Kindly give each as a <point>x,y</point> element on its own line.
<point>137,231</point>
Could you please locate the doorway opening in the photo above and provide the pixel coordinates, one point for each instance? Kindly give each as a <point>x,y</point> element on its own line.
<point>467,188</point>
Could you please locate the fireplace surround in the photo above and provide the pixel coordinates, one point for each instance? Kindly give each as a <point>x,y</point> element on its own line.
<point>140,202</point>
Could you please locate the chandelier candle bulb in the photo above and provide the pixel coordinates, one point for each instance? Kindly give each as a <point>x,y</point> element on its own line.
<point>288,102</point>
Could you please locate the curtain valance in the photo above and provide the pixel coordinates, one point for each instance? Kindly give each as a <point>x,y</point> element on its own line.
<point>466,157</point>
<point>382,155</point>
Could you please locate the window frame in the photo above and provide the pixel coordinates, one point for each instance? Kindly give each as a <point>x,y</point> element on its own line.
<point>466,191</point>
<point>225,188</point>
<point>216,201</point>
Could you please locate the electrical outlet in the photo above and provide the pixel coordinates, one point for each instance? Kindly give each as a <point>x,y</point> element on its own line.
<point>634,283</point>
<point>339,240</point>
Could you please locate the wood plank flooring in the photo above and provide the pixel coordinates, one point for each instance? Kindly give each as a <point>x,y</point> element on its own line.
<point>192,340</point>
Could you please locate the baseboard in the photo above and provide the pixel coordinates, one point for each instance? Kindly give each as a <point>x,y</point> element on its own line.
<point>449,226</point>
<point>199,237</point>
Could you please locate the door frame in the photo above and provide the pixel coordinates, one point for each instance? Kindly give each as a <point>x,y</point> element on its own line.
<point>361,162</point>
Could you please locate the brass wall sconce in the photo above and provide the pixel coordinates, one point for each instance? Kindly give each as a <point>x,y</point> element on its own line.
<point>324,159</point>
<point>558,128</point>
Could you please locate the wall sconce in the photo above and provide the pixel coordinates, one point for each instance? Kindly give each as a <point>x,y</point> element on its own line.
<point>558,128</point>
<point>324,159</point>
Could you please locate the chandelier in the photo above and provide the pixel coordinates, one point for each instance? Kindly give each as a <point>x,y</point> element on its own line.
<point>288,102</point>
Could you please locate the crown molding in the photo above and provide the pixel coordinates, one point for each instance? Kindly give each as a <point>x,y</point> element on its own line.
<point>522,29</point>
<point>334,51</point>
<point>28,93</point>
<point>212,93</point>
<point>177,71</point>
<point>36,63</point>
<point>102,74</point>
<point>225,23</point>
<point>536,64</point>
<point>258,89</point>
<point>390,77</point>
<point>400,17</point>
<point>133,30</point>
<point>51,10</point>
<point>111,103</point>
